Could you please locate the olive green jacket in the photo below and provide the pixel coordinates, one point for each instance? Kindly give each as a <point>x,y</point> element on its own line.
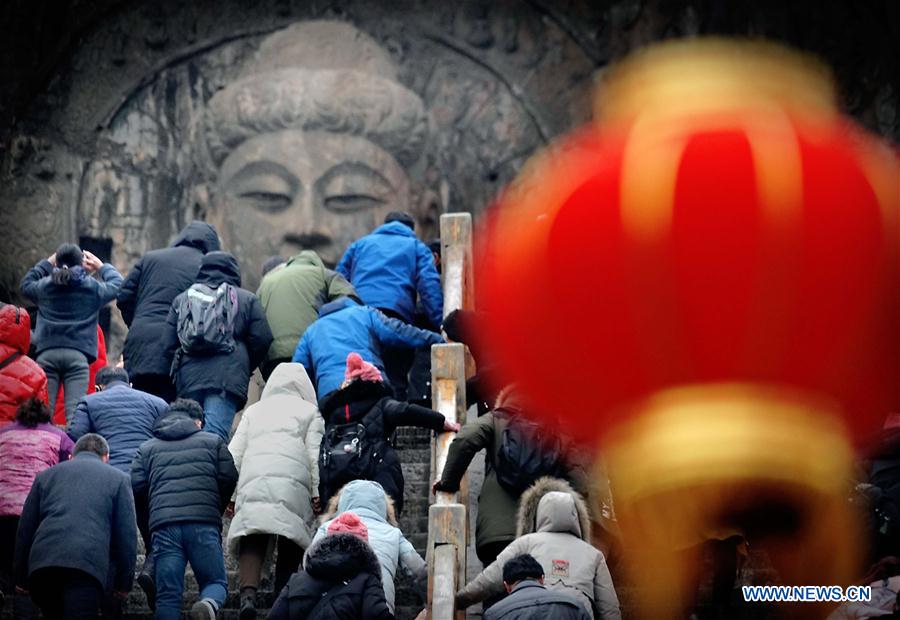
<point>496,506</point>
<point>291,296</point>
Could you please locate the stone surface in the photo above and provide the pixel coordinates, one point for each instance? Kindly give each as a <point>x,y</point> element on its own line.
<point>105,107</point>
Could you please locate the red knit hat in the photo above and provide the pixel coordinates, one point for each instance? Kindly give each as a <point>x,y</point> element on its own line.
<point>349,523</point>
<point>357,368</point>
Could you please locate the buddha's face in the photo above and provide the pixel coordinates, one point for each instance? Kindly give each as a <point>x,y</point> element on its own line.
<point>288,190</point>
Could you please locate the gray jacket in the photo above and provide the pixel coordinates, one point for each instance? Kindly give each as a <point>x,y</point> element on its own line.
<point>529,600</point>
<point>559,543</point>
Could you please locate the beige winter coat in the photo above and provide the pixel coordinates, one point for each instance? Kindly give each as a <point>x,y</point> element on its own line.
<point>276,451</point>
<point>554,525</point>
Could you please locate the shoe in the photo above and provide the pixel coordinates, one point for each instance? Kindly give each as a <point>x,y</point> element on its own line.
<point>148,585</point>
<point>248,608</point>
<point>204,609</point>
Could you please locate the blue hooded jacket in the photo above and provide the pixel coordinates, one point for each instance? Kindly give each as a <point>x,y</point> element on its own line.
<point>388,267</point>
<point>345,326</point>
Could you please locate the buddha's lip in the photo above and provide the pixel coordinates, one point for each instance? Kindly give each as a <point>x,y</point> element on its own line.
<point>308,240</point>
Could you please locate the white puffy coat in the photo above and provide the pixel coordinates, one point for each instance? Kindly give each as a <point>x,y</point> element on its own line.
<point>276,451</point>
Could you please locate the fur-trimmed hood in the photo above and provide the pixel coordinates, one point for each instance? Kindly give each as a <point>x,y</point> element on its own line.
<point>339,557</point>
<point>363,497</point>
<point>527,518</point>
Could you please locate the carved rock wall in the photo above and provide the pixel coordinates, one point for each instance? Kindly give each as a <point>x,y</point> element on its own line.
<point>102,103</point>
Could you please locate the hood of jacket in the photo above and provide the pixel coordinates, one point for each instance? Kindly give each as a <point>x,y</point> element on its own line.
<point>174,426</point>
<point>340,557</point>
<point>395,228</point>
<point>218,267</point>
<point>530,514</point>
<point>306,257</point>
<point>198,235</point>
<point>557,513</point>
<point>362,496</point>
<point>337,305</point>
<point>15,328</point>
<point>290,379</point>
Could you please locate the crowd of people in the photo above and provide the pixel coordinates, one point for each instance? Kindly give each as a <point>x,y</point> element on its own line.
<point>152,447</point>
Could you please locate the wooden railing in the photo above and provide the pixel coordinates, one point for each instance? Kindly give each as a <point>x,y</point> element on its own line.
<point>447,527</point>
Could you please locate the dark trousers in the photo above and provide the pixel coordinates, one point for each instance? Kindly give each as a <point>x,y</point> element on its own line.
<point>8,527</point>
<point>22,606</point>
<point>66,593</point>
<point>158,385</point>
<point>397,363</point>
<point>252,553</point>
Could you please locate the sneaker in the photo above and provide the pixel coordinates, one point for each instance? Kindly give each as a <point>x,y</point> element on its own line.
<point>204,610</point>
<point>248,608</point>
<point>148,585</point>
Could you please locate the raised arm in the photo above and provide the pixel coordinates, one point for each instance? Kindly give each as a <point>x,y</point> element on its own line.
<point>111,282</point>
<point>397,413</point>
<point>30,285</point>
<point>396,333</point>
<point>470,439</point>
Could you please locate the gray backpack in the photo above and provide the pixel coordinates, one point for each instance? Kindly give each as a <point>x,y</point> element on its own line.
<point>206,319</point>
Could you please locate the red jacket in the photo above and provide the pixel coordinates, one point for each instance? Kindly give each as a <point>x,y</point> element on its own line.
<point>21,378</point>
<point>59,416</point>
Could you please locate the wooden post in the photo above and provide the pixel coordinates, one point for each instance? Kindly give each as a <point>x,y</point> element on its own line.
<point>447,532</point>
<point>456,259</point>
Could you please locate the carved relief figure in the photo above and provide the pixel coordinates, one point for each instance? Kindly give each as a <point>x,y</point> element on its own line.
<point>313,144</point>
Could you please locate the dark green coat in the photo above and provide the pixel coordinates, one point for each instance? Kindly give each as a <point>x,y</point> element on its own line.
<point>496,506</point>
<point>291,296</point>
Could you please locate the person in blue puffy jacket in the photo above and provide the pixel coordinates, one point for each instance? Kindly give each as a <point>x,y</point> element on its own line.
<point>388,268</point>
<point>345,326</point>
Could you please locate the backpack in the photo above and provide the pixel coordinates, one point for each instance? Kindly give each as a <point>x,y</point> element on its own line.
<point>206,319</point>
<point>348,452</point>
<point>526,454</point>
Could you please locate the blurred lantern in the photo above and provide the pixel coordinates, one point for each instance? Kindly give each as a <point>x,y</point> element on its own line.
<point>705,282</point>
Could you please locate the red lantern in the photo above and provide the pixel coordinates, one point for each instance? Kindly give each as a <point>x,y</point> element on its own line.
<point>707,278</point>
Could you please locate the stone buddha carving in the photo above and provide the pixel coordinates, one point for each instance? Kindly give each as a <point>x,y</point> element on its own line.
<point>313,144</point>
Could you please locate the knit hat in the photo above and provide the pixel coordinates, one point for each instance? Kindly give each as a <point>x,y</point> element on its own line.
<point>349,523</point>
<point>359,369</point>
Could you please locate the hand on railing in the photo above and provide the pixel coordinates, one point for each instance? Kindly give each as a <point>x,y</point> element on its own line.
<point>451,427</point>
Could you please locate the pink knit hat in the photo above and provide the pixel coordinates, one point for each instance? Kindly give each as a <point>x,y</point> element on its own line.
<point>349,523</point>
<point>359,369</point>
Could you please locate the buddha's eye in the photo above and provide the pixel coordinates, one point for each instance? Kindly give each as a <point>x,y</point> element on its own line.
<point>270,202</point>
<point>351,187</point>
<point>352,202</point>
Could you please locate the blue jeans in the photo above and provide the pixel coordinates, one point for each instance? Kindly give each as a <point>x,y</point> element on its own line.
<point>219,410</point>
<point>173,547</point>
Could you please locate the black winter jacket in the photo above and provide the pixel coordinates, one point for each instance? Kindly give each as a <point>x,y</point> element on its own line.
<point>224,372</point>
<point>79,514</point>
<point>147,294</point>
<point>341,581</point>
<point>370,404</point>
<point>188,474</point>
<point>120,414</point>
